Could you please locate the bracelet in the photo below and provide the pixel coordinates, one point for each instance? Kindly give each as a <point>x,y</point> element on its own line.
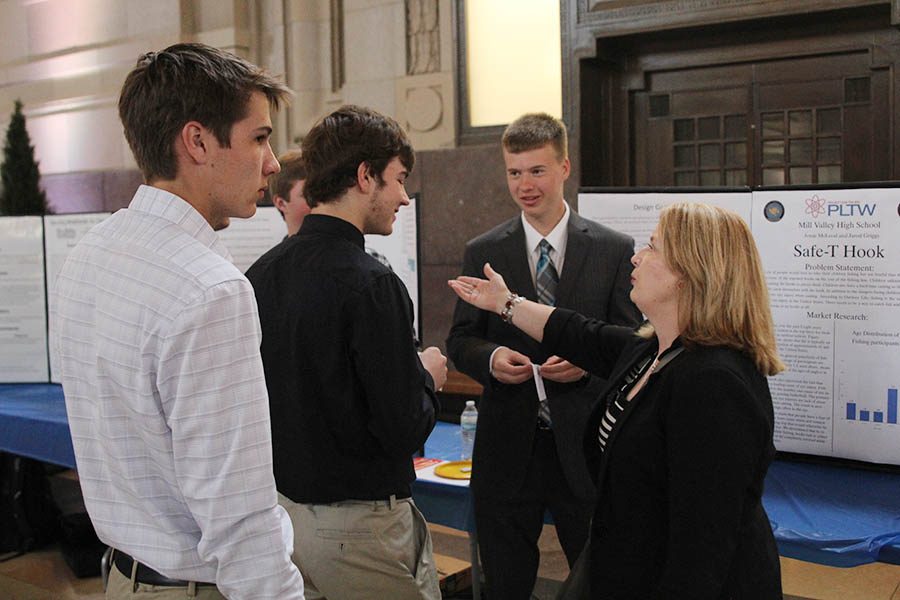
<point>511,301</point>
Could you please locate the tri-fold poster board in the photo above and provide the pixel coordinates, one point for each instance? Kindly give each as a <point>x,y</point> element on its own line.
<point>832,264</point>
<point>23,306</point>
<point>831,258</point>
<point>33,250</point>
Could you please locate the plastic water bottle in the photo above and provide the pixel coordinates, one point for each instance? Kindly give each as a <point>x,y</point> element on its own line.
<point>467,423</point>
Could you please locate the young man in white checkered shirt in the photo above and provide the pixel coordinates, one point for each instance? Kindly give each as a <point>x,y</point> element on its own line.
<point>158,339</point>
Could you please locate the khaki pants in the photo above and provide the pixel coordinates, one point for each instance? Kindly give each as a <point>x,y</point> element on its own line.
<point>121,587</point>
<point>360,549</point>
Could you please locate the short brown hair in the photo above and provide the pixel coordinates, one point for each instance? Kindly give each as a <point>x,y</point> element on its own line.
<point>187,82</point>
<point>535,130</point>
<point>724,300</point>
<point>336,146</point>
<point>292,171</point>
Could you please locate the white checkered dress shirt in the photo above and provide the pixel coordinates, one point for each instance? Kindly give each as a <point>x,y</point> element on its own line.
<point>158,339</point>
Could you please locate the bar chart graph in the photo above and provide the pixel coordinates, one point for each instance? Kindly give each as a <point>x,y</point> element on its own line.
<point>865,421</point>
<point>875,415</point>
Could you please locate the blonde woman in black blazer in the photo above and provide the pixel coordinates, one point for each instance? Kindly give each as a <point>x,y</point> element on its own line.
<point>680,441</point>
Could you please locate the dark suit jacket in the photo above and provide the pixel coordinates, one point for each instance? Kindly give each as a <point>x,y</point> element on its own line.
<point>595,280</point>
<point>679,510</point>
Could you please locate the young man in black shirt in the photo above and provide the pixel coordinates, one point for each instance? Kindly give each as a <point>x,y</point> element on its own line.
<point>350,396</point>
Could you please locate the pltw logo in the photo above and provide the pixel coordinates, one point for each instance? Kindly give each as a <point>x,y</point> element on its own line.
<point>816,206</point>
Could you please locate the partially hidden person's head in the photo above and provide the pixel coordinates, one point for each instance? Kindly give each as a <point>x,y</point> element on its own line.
<point>723,297</point>
<point>359,150</point>
<point>199,114</point>
<point>286,189</point>
<point>536,157</point>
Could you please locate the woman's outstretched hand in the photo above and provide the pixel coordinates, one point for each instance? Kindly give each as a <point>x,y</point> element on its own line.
<point>487,294</point>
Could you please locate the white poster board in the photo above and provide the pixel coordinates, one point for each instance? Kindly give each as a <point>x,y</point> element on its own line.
<point>248,239</point>
<point>637,213</point>
<point>401,249</point>
<point>61,233</point>
<point>23,301</point>
<point>832,263</point>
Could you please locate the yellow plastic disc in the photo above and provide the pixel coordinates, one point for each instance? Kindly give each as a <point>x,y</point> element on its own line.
<point>457,469</point>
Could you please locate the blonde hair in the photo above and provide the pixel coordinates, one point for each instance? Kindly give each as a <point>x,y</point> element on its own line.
<point>724,300</point>
<point>535,130</point>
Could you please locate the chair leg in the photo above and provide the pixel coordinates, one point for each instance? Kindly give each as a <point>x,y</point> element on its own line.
<point>104,566</point>
<point>476,565</point>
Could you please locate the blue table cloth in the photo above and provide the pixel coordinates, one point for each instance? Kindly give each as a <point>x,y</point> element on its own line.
<point>33,423</point>
<point>826,514</point>
<point>444,504</point>
<point>834,515</point>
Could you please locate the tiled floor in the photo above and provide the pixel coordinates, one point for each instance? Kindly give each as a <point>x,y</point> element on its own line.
<point>43,575</point>
<point>877,581</point>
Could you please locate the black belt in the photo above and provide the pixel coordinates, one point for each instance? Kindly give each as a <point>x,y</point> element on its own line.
<point>145,574</point>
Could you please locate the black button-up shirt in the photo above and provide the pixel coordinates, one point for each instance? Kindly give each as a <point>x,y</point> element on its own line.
<point>350,400</point>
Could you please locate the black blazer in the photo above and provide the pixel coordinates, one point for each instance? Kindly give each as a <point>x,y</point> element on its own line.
<point>595,280</point>
<point>679,510</point>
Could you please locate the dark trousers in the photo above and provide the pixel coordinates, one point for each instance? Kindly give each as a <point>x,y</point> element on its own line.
<point>509,528</point>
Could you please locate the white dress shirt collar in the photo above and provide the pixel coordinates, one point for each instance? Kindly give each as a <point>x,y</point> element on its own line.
<point>166,205</point>
<point>558,238</point>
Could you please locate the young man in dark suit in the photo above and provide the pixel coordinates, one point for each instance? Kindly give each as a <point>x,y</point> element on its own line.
<point>528,453</point>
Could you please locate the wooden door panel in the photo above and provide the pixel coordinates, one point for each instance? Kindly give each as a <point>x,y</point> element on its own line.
<point>879,156</point>
<point>812,61</point>
<point>859,150</point>
<point>711,77</point>
<point>800,94</point>
<point>702,139</point>
<point>812,68</point>
<point>840,90</point>
<point>709,102</point>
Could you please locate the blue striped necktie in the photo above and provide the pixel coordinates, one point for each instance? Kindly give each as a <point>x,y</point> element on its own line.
<point>546,276</point>
<point>546,279</point>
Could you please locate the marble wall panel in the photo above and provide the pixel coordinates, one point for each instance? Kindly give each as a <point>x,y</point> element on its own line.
<point>74,192</point>
<point>351,5</point>
<point>375,43</point>
<point>119,187</point>
<point>305,10</point>
<point>379,95</point>
<point>309,74</point>
<point>438,302</point>
<point>464,194</point>
<point>426,108</point>
<point>309,71</point>
<point>78,140</point>
<point>57,25</point>
<point>209,15</point>
<point>159,16</point>
<point>13,32</point>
